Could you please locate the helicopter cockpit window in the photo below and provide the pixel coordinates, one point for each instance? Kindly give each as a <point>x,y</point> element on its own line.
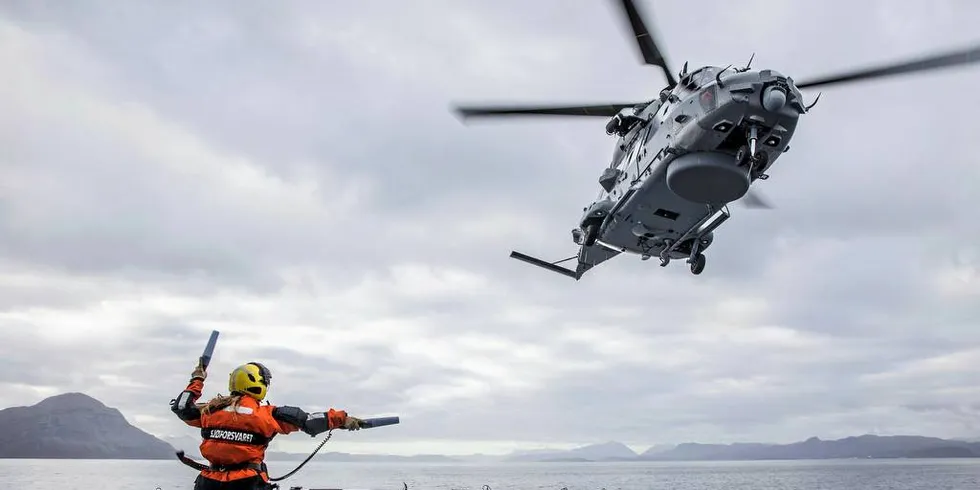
<point>699,78</point>
<point>708,74</point>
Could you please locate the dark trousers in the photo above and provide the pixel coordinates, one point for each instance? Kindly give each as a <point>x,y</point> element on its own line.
<point>252,483</point>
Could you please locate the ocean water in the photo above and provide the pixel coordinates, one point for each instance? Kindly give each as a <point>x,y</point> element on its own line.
<point>946,474</point>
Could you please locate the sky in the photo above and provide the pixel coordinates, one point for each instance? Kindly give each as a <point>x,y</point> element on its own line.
<point>290,174</point>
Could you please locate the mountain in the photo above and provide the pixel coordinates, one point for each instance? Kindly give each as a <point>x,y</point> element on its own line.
<point>866,446</point>
<point>75,426</point>
<point>608,451</point>
<point>656,449</point>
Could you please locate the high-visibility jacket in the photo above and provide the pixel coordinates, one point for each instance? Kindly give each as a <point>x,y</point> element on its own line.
<point>236,436</point>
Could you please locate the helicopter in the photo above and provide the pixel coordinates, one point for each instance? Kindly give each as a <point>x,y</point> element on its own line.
<point>682,157</point>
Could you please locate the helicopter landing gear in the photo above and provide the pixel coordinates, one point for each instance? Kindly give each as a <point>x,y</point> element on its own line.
<point>591,234</point>
<point>749,156</point>
<point>665,253</point>
<point>753,140</point>
<point>697,263</point>
<point>742,156</point>
<point>696,258</point>
<point>745,158</point>
<point>759,162</point>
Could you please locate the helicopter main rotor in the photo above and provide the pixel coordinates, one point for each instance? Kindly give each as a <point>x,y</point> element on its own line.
<point>653,55</point>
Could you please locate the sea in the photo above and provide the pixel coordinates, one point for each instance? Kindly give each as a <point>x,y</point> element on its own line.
<point>858,474</point>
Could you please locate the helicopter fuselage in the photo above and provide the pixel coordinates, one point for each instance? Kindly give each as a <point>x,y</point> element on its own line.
<point>681,159</point>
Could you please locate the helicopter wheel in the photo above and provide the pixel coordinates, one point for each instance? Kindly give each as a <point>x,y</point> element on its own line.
<point>742,156</point>
<point>591,234</point>
<point>698,263</point>
<point>759,162</point>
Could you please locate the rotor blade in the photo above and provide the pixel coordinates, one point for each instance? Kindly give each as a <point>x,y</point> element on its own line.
<point>753,199</point>
<point>961,57</point>
<point>607,110</point>
<point>645,40</point>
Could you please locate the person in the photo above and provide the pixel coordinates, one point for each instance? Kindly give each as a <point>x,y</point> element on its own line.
<point>237,428</point>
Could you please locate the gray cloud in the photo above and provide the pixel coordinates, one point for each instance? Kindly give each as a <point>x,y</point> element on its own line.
<point>292,177</point>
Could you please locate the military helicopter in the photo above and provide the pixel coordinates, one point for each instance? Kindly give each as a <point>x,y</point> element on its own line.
<point>681,158</point>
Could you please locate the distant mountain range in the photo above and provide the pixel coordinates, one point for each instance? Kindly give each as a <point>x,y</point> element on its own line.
<point>77,426</point>
<point>866,446</point>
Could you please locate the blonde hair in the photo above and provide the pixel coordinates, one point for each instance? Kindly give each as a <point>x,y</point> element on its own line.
<point>220,402</point>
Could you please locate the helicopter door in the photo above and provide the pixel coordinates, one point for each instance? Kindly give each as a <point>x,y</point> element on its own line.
<point>640,143</point>
<point>631,164</point>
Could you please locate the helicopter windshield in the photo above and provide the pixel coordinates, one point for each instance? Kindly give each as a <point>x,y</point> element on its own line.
<point>699,78</point>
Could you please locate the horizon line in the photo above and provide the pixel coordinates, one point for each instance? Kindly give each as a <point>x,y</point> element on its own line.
<point>636,453</point>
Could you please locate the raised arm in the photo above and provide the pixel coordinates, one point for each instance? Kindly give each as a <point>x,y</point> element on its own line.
<point>185,405</point>
<point>292,419</point>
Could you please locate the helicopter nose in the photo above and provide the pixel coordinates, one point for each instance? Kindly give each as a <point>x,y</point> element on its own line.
<point>774,98</point>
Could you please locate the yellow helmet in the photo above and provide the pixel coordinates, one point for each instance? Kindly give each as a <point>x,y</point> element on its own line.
<point>250,379</point>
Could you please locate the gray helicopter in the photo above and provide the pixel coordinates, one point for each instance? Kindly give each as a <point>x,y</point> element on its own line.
<point>681,158</point>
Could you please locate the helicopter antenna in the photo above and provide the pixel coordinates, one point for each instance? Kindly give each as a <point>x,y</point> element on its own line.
<point>807,109</point>
<point>718,76</point>
<point>747,65</point>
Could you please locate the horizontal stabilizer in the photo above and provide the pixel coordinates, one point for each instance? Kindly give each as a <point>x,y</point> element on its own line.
<point>545,265</point>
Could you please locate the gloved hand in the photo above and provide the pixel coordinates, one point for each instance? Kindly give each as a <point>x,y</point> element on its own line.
<point>199,372</point>
<point>352,423</point>
<point>338,419</point>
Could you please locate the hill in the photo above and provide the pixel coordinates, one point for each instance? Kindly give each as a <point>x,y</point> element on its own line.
<point>75,426</point>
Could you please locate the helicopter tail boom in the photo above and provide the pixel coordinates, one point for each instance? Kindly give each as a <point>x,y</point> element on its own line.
<point>544,264</point>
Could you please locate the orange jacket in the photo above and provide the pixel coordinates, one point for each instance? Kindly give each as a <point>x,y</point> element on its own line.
<point>239,435</point>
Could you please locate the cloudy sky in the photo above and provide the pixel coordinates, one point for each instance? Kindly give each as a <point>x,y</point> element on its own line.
<point>289,173</point>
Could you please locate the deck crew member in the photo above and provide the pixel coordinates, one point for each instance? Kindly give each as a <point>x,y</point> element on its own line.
<point>237,428</point>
